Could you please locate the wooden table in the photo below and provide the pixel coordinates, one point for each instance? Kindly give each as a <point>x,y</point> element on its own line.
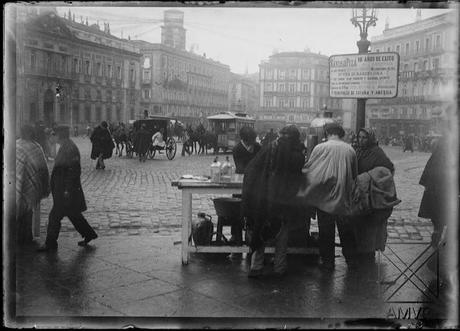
<point>191,186</point>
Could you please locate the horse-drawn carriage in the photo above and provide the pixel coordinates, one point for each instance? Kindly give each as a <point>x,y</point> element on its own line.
<point>153,125</point>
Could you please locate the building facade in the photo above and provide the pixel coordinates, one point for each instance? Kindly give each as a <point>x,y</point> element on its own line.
<point>73,73</point>
<point>243,94</point>
<point>427,74</point>
<point>181,84</point>
<point>294,88</point>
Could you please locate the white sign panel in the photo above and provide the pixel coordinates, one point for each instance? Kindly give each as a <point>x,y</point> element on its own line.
<point>369,76</point>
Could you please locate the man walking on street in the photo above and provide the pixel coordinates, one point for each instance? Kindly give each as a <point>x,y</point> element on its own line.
<point>68,197</point>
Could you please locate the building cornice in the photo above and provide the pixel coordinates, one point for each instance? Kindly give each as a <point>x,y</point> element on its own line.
<point>416,27</point>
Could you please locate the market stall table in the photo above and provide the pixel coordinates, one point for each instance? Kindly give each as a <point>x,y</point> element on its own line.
<point>190,186</point>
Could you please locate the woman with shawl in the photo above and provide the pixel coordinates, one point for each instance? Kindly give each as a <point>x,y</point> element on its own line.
<point>369,231</point>
<point>271,181</point>
<point>102,144</point>
<point>32,182</point>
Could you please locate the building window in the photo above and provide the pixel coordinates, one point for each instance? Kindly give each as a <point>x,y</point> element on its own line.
<point>75,66</point>
<point>282,74</point>
<point>397,49</point>
<point>416,67</point>
<point>281,87</point>
<point>417,46</point>
<point>109,71</point>
<point>75,114</point>
<point>389,49</point>
<point>291,103</point>
<point>427,44</point>
<point>33,112</point>
<point>33,60</point>
<point>109,96</point>
<point>377,50</point>
<point>87,67</point>
<point>146,94</point>
<point>88,113</point>
<point>98,94</point>
<point>87,93</point>
<point>98,114</point>
<point>306,73</point>
<point>63,64</point>
<point>435,63</point>
<point>407,48</point>
<point>438,42</point>
<point>118,72</point>
<point>291,87</point>
<point>425,65</point>
<point>305,88</point>
<point>98,69</point>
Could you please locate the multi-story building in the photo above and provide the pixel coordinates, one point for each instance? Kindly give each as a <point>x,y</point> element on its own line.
<point>178,83</point>
<point>73,73</point>
<point>428,50</point>
<point>294,88</point>
<point>243,95</point>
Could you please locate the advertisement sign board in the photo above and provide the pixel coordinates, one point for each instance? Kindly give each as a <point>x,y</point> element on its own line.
<point>368,76</point>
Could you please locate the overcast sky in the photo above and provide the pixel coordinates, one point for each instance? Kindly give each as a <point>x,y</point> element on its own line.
<point>243,37</point>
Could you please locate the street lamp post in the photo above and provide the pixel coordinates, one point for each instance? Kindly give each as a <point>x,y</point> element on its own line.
<point>363,18</point>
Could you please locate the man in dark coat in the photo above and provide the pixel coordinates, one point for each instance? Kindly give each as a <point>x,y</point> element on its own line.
<point>102,144</point>
<point>433,204</point>
<point>142,142</point>
<point>271,181</point>
<point>243,153</point>
<point>68,197</point>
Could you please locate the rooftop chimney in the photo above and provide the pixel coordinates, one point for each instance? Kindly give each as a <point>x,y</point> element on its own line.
<point>418,16</point>
<point>387,23</point>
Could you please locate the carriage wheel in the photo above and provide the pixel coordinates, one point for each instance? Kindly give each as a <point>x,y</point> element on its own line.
<point>151,152</point>
<point>170,148</point>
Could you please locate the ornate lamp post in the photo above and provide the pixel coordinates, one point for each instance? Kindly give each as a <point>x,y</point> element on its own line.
<point>363,18</point>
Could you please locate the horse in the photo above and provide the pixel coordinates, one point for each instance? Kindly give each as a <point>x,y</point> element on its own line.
<point>208,140</point>
<point>121,138</point>
<point>193,140</point>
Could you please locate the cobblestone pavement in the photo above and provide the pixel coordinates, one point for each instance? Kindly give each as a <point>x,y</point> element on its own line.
<point>134,198</point>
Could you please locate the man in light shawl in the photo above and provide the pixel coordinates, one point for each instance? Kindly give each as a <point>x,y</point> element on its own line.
<point>32,181</point>
<point>330,173</point>
<point>68,197</point>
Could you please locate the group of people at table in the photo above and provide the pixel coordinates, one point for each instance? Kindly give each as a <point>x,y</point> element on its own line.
<point>283,190</point>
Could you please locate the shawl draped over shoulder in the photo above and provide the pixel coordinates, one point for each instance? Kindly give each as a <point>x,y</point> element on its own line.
<point>32,176</point>
<point>270,184</point>
<point>102,143</point>
<point>329,177</point>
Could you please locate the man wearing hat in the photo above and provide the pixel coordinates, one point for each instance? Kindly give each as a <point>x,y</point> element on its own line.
<point>68,197</point>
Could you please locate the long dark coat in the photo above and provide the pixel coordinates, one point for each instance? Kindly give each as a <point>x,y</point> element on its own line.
<point>102,143</point>
<point>142,141</point>
<point>271,181</point>
<point>435,181</point>
<point>65,177</point>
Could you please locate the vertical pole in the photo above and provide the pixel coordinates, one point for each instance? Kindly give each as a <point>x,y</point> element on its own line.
<point>363,47</point>
<point>360,114</point>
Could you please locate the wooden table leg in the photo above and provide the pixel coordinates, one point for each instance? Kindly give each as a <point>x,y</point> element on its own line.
<point>186,224</point>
